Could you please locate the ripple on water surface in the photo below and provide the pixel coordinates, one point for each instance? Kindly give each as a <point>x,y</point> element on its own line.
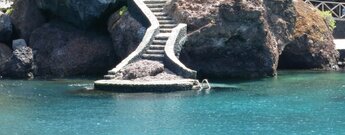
<point>299,102</point>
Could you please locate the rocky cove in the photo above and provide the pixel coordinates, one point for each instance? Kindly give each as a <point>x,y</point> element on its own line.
<point>134,67</point>
<point>226,38</point>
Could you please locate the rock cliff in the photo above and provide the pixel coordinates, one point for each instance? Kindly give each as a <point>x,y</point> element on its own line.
<point>234,38</point>
<point>313,46</point>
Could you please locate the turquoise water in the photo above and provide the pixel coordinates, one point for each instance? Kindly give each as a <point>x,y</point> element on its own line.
<point>300,102</point>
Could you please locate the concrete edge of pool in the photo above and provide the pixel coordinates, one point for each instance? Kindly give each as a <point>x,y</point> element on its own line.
<point>146,86</point>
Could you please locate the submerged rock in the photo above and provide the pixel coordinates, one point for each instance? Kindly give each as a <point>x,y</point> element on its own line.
<point>126,33</point>
<point>26,17</point>
<point>313,46</point>
<point>233,38</point>
<point>80,13</point>
<point>63,50</point>
<point>5,27</point>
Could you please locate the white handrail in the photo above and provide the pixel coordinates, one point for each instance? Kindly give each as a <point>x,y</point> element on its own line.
<point>205,82</point>
<point>336,8</point>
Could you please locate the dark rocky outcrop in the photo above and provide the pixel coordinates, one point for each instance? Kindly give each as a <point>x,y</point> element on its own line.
<point>5,55</point>
<point>281,17</point>
<point>26,17</point>
<point>80,13</point>
<point>5,28</point>
<point>313,46</point>
<point>17,63</point>
<point>233,38</point>
<point>20,64</point>
<point>63,50</point>
<point>126,33</point>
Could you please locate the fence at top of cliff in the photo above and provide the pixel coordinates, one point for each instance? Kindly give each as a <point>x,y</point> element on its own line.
<point>336,8</point>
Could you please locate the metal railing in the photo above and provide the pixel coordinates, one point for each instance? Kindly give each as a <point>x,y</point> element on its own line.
<point>336,8</point>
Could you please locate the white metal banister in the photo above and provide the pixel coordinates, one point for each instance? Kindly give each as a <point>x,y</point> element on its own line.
<point>336,8</point>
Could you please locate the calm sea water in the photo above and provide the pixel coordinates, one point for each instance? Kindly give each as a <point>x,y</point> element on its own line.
<point>299,102</point>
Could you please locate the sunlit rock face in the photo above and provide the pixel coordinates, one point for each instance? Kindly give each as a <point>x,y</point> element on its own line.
<point>81,13</point>
<point>313,46</point>
<point>234,38</point>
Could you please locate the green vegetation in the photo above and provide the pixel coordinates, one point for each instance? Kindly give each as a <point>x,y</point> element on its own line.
<point>123,10</point>
<point>9,11</point>
<point>327,15</point>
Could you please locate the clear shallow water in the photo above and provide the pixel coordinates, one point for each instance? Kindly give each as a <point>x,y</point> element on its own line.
<point>298,102</point>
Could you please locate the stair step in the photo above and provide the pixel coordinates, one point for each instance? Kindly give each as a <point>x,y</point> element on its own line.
<point>158,57</point>
<point>166,22</point>
<point>111,73</point>
<point>109,76</point>
<point>159,42</point>
<point>165,30</point>
<point>155,2</point>
<point>164,18</point>
<point>155,51</point>
<point>162,37</point>
<point>168,25</point>
<point>157,47</point>
<point>156,9</point>
<point>160,14</point>
<point>155,5</point>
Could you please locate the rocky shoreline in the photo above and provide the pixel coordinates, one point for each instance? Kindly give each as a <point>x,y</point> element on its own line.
<point>226,38</point>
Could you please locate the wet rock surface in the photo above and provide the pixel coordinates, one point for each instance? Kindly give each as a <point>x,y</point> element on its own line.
<point>313,47</point>
<point>63,50</point>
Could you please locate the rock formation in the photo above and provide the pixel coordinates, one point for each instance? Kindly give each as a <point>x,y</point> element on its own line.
<point>5,55</point>
<point>313,46</point>
<point>80,13</point>
<point>234,38</point>
<point>63,50</point>
<point>139,69</point>
<point>17,63</point>
<point>26,17</point>
<point>5,28</point>
<point>126,33</point>
<point>227,38</point>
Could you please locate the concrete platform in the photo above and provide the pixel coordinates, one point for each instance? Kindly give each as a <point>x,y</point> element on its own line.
<point>145,86</point>
<point>339,44</point>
